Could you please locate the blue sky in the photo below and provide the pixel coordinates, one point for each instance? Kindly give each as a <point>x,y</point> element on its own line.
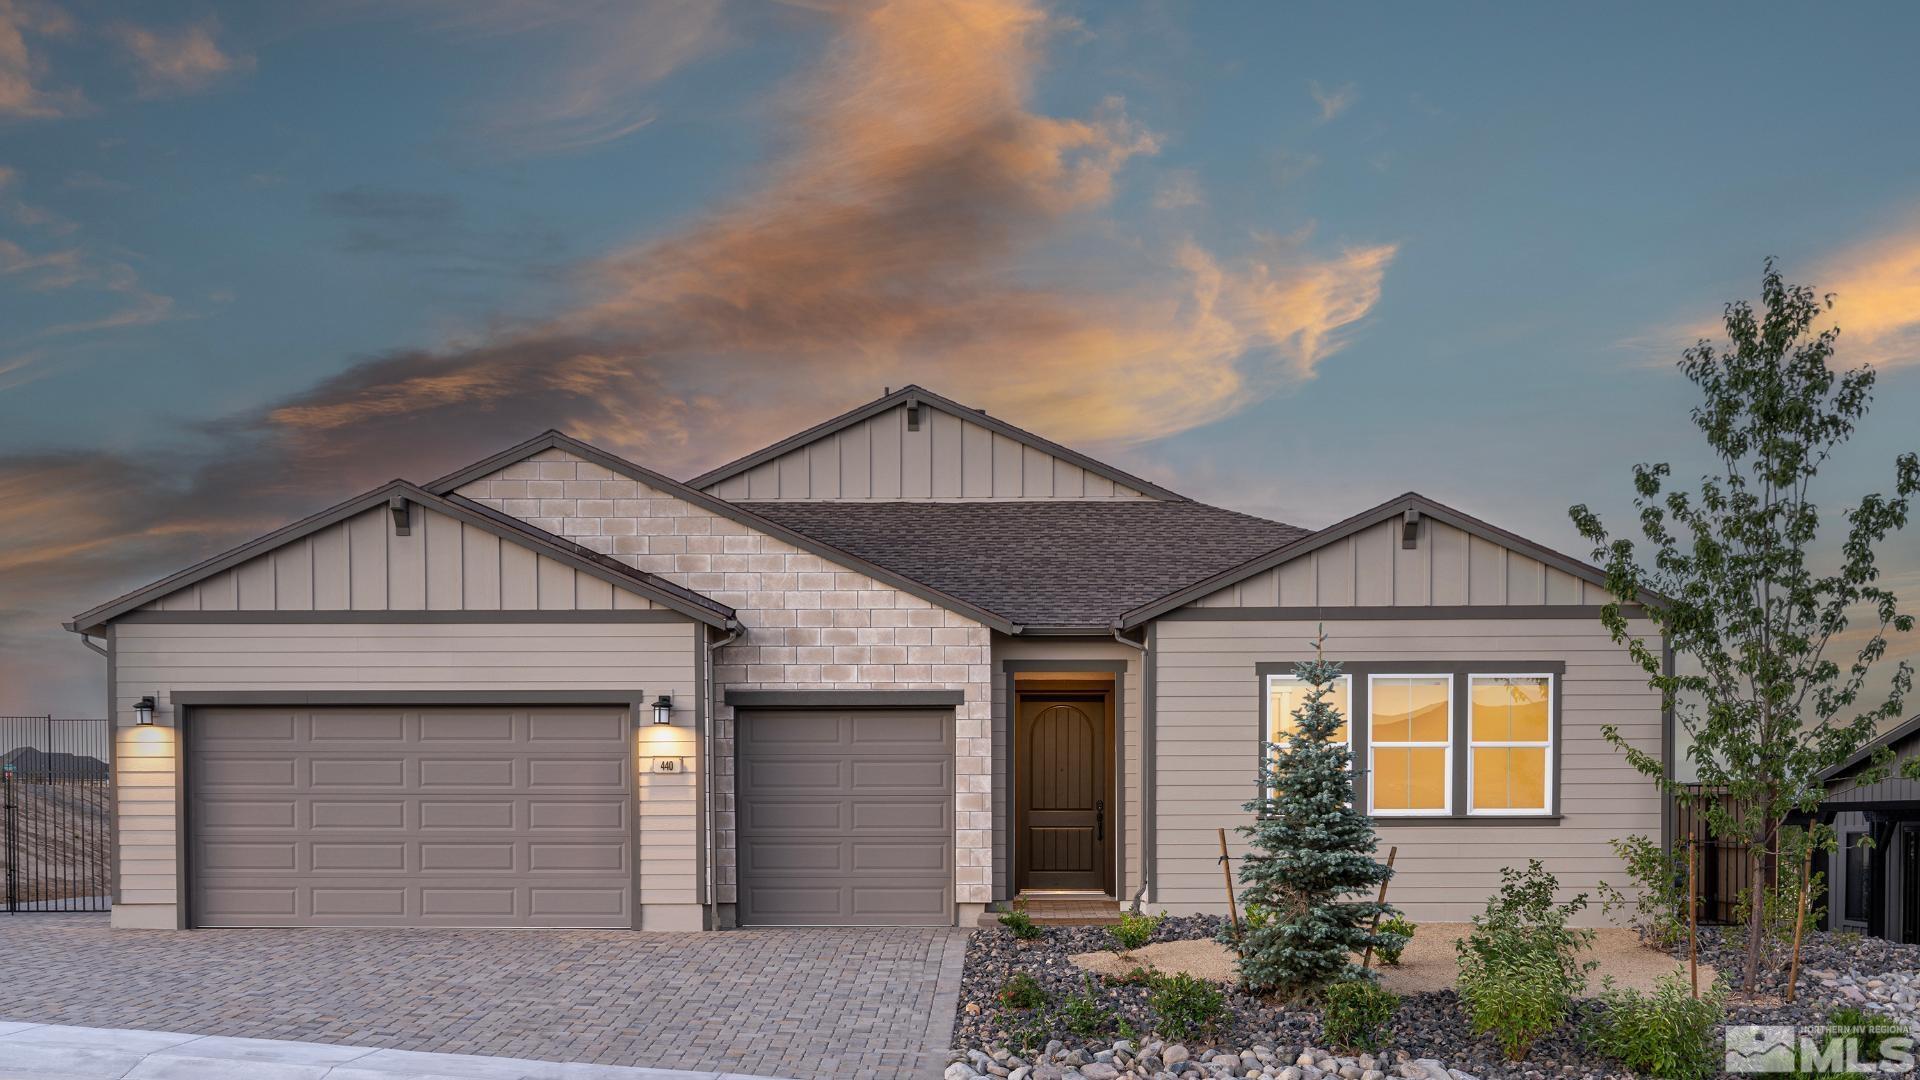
<point>1292,259</point>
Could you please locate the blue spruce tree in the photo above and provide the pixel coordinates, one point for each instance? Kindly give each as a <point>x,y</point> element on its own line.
<point>1312,869</point>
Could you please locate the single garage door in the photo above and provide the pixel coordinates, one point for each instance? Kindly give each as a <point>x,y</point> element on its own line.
<point>434,816</point>
<point>845,817</point>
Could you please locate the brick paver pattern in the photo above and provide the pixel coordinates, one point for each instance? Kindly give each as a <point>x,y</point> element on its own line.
<point>870,1003</point>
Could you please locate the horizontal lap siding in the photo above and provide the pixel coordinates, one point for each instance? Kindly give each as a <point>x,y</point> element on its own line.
<point>1206,754</point>
<point>159,659</point>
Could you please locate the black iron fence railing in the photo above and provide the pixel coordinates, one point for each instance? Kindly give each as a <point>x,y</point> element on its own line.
<point>55,830</point>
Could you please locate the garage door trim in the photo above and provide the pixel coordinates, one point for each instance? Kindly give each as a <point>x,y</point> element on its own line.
<point>185,701</point>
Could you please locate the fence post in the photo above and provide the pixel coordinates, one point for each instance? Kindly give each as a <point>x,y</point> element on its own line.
<point>12,840</point>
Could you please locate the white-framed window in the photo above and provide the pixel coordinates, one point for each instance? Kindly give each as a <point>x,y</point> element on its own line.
<point>1409,745</point>
<point>1286,693</point>
<point>1509,744</point>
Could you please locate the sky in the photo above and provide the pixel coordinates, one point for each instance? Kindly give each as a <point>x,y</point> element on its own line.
<point>1293,259</point>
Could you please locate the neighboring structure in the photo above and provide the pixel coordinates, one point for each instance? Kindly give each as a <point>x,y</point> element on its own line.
<point>898,667</point>
<point>1873,881</point>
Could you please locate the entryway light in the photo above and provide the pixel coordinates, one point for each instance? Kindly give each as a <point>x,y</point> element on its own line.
<point>143,710</point>
<point>663,709</point>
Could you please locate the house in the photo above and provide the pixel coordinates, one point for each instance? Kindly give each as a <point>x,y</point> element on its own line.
<point>1873,879</point>
<point>893,669</point>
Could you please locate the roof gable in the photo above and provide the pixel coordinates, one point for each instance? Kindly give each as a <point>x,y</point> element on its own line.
<point>307,566</point>
<point>555,440</point>
<point>914,445</point>
<point>1359,562</point>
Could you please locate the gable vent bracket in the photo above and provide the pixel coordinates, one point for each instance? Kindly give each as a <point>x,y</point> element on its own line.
<point>402,510</point>
<point>1410,529</point>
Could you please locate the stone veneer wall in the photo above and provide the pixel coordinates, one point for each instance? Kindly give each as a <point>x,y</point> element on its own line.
<point>807,624</point>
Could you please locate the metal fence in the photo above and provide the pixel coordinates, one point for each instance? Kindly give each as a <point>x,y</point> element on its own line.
<point>55,831</point>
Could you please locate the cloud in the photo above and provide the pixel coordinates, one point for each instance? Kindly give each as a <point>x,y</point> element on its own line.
<point>1179,191</point>
<point>1875,285</point>
<point>614,52</point>
<point>1876,289</point>
<point>924,222</point>
<point>23,90</point>
<point>179,60</point>
<point>378,220</point>
<point>1332,102</point>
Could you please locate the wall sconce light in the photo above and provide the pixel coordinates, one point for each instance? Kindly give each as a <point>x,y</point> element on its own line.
<point>143,710</point>
<point>663,709</point>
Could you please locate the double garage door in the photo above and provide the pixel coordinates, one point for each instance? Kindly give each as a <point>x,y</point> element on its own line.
<point>522,816</point>
<point>421,816</point>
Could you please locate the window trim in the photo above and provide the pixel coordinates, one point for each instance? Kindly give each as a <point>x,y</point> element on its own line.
<point>1446,808</point>
<point>1551,744</point>
<point>1360,744</point>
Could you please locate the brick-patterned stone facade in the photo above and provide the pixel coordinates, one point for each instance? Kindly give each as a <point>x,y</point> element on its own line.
<point>807,624</point>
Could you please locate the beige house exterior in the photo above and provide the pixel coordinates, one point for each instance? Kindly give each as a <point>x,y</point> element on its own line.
<point>898,668</point>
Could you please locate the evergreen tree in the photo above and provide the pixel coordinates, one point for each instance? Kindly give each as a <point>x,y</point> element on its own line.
<point>1312,852</point>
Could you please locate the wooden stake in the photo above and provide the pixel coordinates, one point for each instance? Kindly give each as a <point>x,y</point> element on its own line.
<point>1693,913</point>
<point>1800,918</point>
<point>1226,871</point>
<point>1366,958</point>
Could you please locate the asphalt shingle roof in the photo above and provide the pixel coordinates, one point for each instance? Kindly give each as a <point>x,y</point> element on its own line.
<point>1045,563</point>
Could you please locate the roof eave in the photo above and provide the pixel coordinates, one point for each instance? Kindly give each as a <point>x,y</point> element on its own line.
<point>922,396</point>
<point>1386,511</point>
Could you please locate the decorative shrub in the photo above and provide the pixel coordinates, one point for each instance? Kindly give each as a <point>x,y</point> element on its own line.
<point>1087,1015</point>
<point>1022,925</point>
<point>1668,1033</point>
<point>1185,1005</point>
<point>1021,991</point>
<point>1659,903</point>
<point>1355,1014</point>
<point>1394,935</point>
<point>1519,966</point>
<point>1133,931</point>
<point>1870,1028</point>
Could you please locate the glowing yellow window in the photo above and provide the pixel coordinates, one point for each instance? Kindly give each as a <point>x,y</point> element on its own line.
<point>1510,753</point>
<point>1286,694</point>
<point>1410,718</point>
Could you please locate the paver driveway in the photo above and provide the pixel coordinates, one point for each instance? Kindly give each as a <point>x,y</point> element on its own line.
<point>873,1003</point>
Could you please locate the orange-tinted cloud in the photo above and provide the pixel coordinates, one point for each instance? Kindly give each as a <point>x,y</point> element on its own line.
<point>23,89</point>
<point>1876,287</point>
<point>177,60</point>
<point>924,223</point>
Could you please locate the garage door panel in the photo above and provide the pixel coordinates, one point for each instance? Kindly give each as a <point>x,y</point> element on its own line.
<point>531,832</point>
<point>845,817</point>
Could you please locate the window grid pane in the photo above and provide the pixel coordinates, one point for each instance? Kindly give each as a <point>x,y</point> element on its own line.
<point>1410,722</point>
<point>1510,727</point>
<point>1286,693</point>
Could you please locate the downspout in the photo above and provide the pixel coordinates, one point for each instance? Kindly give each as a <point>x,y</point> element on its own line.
<point>88,642</point>
<point>1146,759</point>
<point>706,767</point>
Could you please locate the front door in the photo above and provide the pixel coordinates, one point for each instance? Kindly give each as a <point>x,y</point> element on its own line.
<point>1060,781</point>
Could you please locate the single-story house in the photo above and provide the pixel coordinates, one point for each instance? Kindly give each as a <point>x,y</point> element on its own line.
<point>893,669</point>
<point>1873,880</point>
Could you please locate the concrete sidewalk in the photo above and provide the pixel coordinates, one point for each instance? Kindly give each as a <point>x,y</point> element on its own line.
<point>59,1052</point>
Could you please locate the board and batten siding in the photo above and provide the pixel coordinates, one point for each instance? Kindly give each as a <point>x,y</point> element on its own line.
<point>1132,735</point>
<point>1449,567</point>
<point>1207,747</point>
<point>947,458</point>
<point>161,659</point>
<point>442,564</point>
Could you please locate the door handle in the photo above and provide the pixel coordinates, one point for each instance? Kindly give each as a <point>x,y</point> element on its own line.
<point>1100,819</point>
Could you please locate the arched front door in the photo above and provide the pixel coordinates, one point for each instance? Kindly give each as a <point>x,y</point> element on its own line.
<point>1064,831</point>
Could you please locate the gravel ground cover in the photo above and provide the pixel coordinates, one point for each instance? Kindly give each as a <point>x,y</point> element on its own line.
<point>1429,1039</point>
